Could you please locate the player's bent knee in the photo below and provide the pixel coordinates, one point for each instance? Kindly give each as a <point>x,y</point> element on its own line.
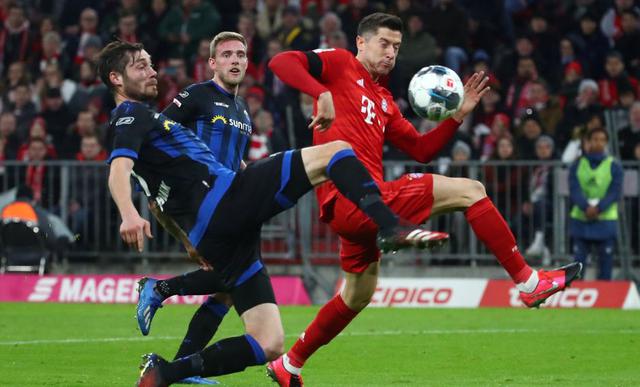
<point>339,145</point>
<point>273,348</point>
<point>476,191</point>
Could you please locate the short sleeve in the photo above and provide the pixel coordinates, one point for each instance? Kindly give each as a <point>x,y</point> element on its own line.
<point>130,124</point>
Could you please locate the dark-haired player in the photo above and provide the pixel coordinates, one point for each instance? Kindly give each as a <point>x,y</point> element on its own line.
<point>352,106</point>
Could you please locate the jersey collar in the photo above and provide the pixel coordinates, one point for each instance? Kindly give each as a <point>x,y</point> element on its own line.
<point>222,90</point>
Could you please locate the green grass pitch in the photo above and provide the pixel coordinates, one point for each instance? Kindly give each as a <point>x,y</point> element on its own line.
<point>99,345</point>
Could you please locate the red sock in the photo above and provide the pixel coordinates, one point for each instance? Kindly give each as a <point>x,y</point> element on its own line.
<point>491,228</point>
<point>330,321</point>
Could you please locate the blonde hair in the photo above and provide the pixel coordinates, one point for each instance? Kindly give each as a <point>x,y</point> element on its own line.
<point>224,37</point>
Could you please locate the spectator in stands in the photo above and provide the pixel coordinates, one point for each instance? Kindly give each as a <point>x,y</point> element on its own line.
<point>16,75</point>
<point>502,182</point>
<point>595,187</point>
<point>538,208</point>
<point>616,78</point>
<point>546,46</point>
<point>88,30</point>
<point>612,20</point>
<point>592,43</point>
<point>197,20</point>
<point>51,53</point>
<point>578,112</point>
<point>507,59</point>
<point>629,136</point>
<point>529,131</point>
<point>127,27</point>
<point>500,127</point>
<point>200,63</point>
<point>545,105</point>
<point>255,44</point>
<point>91,149</point>
<point>9,142</point>
<point>269,18</point>
<point>90,92</point>
<point>570,83</point>
<point>448,24</point>
<point>53,78</point>
<point>57,116</point>
<point>350,15</point>
<point>260,141</point>
<point>111,23</point>
<point>171,79</point>
<point>328,25</point>
<point>38,129</point>
<point>155,41</point>
<point>418,49</point>
<point>43,180</point>
<point>15,38</point>
<point>629,42</point>
<point>85,125</point>
<point>338,39</point>
<point>293,33</point>
<point>24,109</point>
<point>518,93</point>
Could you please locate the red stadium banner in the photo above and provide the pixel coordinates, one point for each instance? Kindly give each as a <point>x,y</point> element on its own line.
<point>118,289</point>
<point>480,293</point>
<point>581,294</point>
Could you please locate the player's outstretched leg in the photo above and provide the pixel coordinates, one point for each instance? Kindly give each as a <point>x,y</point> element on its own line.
<point>153,292</point>
<point>337,162</point>
<point>452,194</point>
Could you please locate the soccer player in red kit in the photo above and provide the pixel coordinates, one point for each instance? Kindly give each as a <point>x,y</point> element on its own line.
<point>353,106</point>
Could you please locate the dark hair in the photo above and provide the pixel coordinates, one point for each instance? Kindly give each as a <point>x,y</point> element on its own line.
<point>114,58</point>
<point>593,131</point>
<point>377,20</point>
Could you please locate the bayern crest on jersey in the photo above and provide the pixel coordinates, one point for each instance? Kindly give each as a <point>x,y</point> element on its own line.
<point>385,106</point>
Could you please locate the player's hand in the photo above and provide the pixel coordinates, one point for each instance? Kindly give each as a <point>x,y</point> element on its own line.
<point>325,114</point>
<point>474,89</point>
<point>592,212</point>
<point>133,230</point>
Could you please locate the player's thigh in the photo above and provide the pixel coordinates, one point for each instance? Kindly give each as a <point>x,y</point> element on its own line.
<point>264,189</point>
<point>455,193</point>
<point>359,287</point>
<point>317,158</point>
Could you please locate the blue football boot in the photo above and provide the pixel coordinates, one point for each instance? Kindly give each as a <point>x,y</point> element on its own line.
<point>148,303</point>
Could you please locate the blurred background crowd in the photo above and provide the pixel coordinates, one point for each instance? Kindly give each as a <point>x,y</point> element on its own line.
<point>557,69</point>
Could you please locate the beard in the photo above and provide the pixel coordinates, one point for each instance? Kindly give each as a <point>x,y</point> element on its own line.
<point>139,93</point>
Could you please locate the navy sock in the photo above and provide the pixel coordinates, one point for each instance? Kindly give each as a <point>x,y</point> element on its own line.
<point>202,327</point>
<point>231,355</point>
<point>353,180</point>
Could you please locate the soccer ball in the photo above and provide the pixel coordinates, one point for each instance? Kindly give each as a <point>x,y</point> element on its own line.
<point>436,92</point>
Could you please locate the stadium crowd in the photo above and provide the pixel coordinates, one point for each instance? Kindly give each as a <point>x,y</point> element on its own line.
<point>555,67</point>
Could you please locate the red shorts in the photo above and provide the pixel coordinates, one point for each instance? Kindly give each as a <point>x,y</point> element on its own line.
<point>410,197</point>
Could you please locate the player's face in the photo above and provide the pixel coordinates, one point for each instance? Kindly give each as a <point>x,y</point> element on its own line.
<point>139,79</point>
<point>597,142</point>
<point>229,64</point>
<point>380,50</point>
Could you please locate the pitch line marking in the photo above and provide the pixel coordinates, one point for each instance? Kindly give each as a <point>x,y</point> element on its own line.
<point>344,334</point>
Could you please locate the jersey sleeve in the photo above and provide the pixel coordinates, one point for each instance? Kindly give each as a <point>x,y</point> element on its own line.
<point>130,123</point>
<point>421,147</point>
<point>328,64</point>
<point>184,106</point>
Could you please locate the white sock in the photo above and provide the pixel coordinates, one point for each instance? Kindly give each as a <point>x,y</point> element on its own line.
<point>530,285</point>
<point>289,367</point>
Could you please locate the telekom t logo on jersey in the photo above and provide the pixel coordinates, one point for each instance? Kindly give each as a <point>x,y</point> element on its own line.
<point>367,108</point>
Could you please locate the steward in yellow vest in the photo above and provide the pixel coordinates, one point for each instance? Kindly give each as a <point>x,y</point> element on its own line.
<point>595,187</point>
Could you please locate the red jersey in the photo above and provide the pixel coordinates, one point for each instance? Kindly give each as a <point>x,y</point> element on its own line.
<point>366,114</point>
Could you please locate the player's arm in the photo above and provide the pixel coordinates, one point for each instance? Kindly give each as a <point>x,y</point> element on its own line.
<point>424,147</point>
<point>133,227</point>
<point>305,71</point>
<point>184,106</point>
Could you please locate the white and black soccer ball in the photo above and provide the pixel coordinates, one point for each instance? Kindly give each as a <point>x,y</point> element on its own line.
<point>436,92</point>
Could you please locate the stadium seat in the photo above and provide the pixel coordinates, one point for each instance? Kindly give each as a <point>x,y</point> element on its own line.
<point>23,247</point>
